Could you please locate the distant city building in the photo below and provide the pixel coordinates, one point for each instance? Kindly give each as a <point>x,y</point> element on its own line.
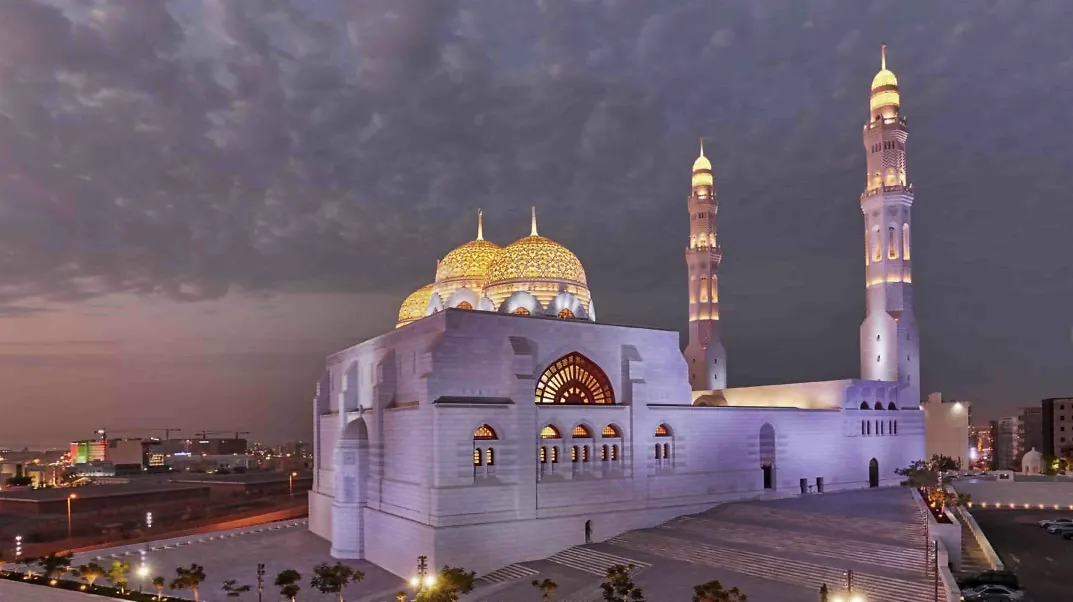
<point>1057,426</point>
<point>980,440</point>
<point>946,428</point>
<point>1004,447</point>
<point>1030,430</point>
<point>91,450</point>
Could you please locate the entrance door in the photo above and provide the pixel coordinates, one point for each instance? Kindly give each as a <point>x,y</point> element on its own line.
<point>873,473</point>
<point>769,476</point>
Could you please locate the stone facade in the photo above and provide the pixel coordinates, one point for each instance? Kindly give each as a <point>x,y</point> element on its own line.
<point>396,417</point>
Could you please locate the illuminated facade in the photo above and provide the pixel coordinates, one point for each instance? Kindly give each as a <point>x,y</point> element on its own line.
<point>890,347</point>
<point>704,352</point>
<point>485,438</point>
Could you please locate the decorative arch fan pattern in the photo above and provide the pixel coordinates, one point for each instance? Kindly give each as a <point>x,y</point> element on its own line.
<point>574,380</point>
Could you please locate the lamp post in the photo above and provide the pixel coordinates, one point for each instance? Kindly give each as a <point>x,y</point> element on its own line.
<point>260,581</point>
<point>18,548</point>
<point>422,580</point>
<point>290,482</point>
<point>143,572</point>
<point>848,595</point>
<point>69,498</point>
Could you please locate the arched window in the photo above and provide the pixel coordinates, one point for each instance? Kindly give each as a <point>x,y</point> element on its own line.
<point>603,453</point>
<point>554,455</point>
<point>862,427</point>
<point>891,406</point>
<point>877,251</point>
<point>550,432</point>
<point>464,305</point>
<point>703,289</point>
<point>584,453</point>
<point>892,243</point>
<point>575,454</point>
<point>566,314</point>
<point>611,432</point>
<point>543,455</point>
<point>659,448</point>
<point>881,427</point>
<point>869,427</point>
<point>879,405</point>
<point>490,456</point>
<point>574,380</point>
<point>614,453</point>
<point>484,433</point>
<point>895,427</point>
<point>663,431</point>
<point>582,432</point>
<point>667,451</point>
<point>905,241</point>
<point>864,405</point>
<point>477,457</point>
<point>521,311</point>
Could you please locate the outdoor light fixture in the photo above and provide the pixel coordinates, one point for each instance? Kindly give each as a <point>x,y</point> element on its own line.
<point>18,547</point>
<point>430,580</point>
<point>414,582</point>
<point>148,520</point>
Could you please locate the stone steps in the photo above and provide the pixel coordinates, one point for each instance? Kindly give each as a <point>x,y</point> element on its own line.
<point>508,573</point>
<point>594,562</point>
<point>764,566</point>
<point>907,534</point>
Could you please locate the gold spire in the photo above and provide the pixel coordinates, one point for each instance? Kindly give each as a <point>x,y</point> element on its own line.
<point>480,224</point>
<point>702,146</point>
<point>533,230</point>
<point>883,56</point>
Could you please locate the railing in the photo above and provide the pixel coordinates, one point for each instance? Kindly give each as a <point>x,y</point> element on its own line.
<point>992,556</point>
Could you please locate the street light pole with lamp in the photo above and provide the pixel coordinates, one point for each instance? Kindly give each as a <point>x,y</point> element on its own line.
<point>422,581</point>
<point>290,482</point>
<point>845,596</point>
<point>69,498</point>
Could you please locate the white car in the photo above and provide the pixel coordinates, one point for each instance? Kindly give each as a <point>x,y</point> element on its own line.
<point>986,593</point>
<point>1056,521</point>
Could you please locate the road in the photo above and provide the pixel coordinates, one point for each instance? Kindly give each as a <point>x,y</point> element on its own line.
<point>1043,562</point>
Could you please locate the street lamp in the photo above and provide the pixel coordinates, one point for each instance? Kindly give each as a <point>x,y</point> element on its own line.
<point>290,481</point>
<point>143,572</point>
<point>18,548</point>
<point>422,580</point>
<point>148,520</point>
<point>69,498</point>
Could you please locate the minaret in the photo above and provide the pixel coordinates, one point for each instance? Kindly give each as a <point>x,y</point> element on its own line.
<point>889,343</point>
<point>704,354</point>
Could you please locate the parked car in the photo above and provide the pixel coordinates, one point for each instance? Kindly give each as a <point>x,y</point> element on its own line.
<point>1067,535</point>
<point>1060,527</point>
<point>1051,521</point>
<point>1004,578</point>
<point>991,593</point>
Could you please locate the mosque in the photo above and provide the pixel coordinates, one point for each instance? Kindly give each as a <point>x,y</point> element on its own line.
<point>499,422</point>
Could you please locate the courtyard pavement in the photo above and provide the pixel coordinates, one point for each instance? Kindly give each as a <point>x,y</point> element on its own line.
<point>774,551</point>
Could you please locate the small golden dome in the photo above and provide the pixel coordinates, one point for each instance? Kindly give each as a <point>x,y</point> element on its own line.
<point>885,77</point>
<point>535,258</point>
<point>414,307</point>
<point>702,169</point>
<point>885,98</point>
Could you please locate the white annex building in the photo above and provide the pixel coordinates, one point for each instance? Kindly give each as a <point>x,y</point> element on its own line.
<point>499,422</point>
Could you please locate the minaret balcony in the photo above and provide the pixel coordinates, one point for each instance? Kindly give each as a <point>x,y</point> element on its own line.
<point>895,188</point>
<point>713,254</point>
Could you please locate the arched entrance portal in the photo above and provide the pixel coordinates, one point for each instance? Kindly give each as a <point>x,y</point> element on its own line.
<point>767,454</point>
<point>351,472</point>
<point>873,473</point>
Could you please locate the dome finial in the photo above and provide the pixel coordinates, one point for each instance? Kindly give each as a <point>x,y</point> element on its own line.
<point>480,224</point>
<point>702,146</point>
<point>883,56</point>
<point>533,230</point>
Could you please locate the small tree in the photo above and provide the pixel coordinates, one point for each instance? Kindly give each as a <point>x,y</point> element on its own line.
<point>400,597</point>
<point>288,583</point>
<point>189,578</point>
<point>713,591</point>
<point>234,591</point>
<point>332,579</point>
<point>54,564</point>
<point>88,572</point>
<point>159,582</point>
<point>619,587</point>
<point>928,475</point>
<point>451,583</point>
<point>117,575</point>
<point>547,588</point>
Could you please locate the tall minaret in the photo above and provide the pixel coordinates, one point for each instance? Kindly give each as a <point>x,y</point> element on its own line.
<point>889,343</point>
<point>704,354</point>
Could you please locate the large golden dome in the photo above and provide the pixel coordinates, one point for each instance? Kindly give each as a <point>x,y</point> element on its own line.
<point>535,258</point>
<point>702,169</point>
<point>469,261</point>
<point>885,98</point>
<point>414,307</point>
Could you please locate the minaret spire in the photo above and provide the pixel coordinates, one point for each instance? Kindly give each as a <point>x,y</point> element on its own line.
<point>480,224</point>
<point>883,56</point>
<point>533,230</point>
<point>702,146</point>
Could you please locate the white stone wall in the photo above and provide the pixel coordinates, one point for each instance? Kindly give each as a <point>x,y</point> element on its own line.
<point>426,387</point>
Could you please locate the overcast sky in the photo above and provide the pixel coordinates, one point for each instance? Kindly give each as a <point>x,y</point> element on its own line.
<point>200,199</point>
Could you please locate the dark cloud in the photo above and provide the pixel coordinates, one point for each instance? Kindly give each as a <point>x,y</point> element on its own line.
<point>193,148</point>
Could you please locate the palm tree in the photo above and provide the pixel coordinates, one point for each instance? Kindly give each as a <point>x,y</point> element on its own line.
<point>189,578</point>
<point>547,588</point>
<point>713,591</point>
<point>89,572</point>
<point>117,575</point>
<point>54,564</point>
<point>288,583</point>
<point>159,582</point>
<point>333,579</point>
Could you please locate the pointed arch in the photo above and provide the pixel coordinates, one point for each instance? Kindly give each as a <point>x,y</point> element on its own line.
<point>574,380</point>
<point>485,433</point>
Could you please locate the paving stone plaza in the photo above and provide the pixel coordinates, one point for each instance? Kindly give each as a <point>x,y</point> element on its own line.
<point>774,550</point>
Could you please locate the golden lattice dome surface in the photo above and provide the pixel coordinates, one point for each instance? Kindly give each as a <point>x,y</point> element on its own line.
<point>470,261</point>
<point>702,162</point>
<point>538,258</point>
<point>415,305</point>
